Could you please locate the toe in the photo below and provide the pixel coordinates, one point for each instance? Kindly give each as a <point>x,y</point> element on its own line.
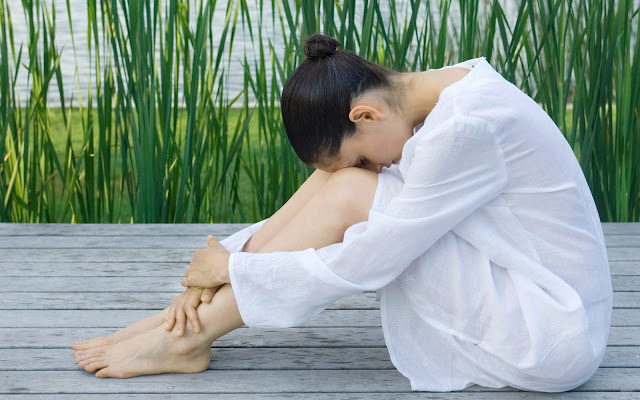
<point>81,355</point>
<point>103,373</point>
<point>90,353</point>
<point>98,364</point>
<point>90,343</point>
<point>88,361</point>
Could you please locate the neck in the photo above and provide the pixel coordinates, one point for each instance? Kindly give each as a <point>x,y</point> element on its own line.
<point>420,92</point>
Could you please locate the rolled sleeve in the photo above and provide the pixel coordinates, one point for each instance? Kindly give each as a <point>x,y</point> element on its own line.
<point>455,169</point>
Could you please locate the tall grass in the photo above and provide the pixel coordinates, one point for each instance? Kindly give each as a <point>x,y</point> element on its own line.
<point>158,136</point>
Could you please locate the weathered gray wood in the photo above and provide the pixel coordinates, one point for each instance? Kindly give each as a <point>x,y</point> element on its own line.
<point>48,229</point>
<point>127,269</point>
<point>621,228</point>
<point>177,255</point>
<point>121,318</point>
<point>622,240</point>
<point>269,358</point>
<point>191,242</point>
<point>362,381</point>
<point>465,395</point>
<point>45,268</point>
<point>222,359</point>
<point>143,301</point>
<point>208,381</point>
<point>51,229</point>
<point>245,337</point>
<point>122,270</point>
<point>150,301</point>
<point>85,284</point>
<point>624,268</point>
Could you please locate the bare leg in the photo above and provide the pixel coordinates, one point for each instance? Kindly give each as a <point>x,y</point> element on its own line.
<point>343,200</point>
<point>263,236</point>
<point>288,211</point>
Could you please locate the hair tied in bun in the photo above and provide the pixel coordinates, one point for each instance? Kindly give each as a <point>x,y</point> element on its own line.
<point>320,46</point>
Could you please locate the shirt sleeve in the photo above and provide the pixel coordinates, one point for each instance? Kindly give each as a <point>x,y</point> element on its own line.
<point>455,169</point>
<point>236,241</point>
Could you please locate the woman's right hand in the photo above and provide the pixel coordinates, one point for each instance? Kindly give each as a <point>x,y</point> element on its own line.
<point>184,307</point>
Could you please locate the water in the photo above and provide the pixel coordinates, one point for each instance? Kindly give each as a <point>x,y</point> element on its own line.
<point>78,68</point>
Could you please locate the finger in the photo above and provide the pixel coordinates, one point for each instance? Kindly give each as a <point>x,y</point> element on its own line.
<point>208,293</point>
<point>171,319</point>
<point>215,243</point>
<point>193,319</point>
<point>180,321</point>
<point>186,282</point>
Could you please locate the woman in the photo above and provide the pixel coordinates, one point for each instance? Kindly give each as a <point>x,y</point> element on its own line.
<point>466,210</point>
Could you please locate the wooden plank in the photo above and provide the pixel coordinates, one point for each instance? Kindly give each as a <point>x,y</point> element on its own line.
<point>48,338</point>
<point>127,269</point>
<point>151,301</point>
<point>143,301</point>
<point>464,395</point>
<point>622,240</point>
<point>192,242</point>
<point>468,395</point>
<point>621,228</point>
<point>292,381</point>
<point>53,229</point>
<point>45,338</point>
<point>85,284</point>
<point>189,242</point>
<point>624,268</point>
<point>122,270</point>
<point>221,359</point>
<point>269,358</point>
<point>122,318</point>
<point>208,381</point>
<point>176,255</point>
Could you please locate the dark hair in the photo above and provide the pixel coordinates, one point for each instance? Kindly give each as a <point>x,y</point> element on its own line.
<point>316,99</point>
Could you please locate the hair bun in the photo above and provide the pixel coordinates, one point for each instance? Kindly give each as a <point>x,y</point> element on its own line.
<point>320,46</point>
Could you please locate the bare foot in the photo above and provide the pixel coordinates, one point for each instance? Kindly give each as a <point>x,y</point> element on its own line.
<point>127,333</point>
<point>154,352</point>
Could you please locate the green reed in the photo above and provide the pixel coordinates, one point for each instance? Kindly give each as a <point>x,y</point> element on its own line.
<point>140,147</point>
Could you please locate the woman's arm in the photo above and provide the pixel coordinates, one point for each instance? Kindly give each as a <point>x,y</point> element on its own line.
<point>454,170</point>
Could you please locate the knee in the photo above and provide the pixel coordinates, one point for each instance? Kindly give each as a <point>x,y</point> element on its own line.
<point>351,190</point>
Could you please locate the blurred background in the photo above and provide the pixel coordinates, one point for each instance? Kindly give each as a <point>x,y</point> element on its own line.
<point>119,111</point>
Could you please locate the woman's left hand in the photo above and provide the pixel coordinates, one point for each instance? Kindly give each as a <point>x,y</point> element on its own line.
<point>209,266</point>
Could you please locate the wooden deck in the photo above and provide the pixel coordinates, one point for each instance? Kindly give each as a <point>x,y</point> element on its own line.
<point>62,282</point>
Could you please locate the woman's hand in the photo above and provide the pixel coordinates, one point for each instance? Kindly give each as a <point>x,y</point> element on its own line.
<point>209,266</point>
<point>184,307</point>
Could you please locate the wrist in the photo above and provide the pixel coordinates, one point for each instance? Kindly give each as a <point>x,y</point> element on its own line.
<point>225,270</point>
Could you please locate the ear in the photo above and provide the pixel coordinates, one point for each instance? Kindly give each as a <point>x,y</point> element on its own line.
<point>364,112</point>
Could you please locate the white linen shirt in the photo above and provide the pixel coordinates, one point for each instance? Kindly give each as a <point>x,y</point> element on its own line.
<point>487,254</point>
